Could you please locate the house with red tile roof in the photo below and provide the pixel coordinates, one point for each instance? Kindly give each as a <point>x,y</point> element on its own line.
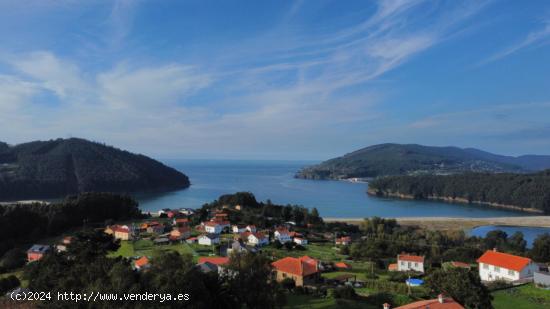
<point>409,262</point>
<point>302,270</point>
<point>342,265</point>
<point>181,222</point>
<point>36,252</point>
<point>258,239</point>
<point>300,241</point>
<point>393,267</point>
<point>441,302</point>
<point>282,235</point>
<point>343,241</point>
<point>494,265</point>
<point>142,263</point>
<point>219,262</point>
<point>121,232</point>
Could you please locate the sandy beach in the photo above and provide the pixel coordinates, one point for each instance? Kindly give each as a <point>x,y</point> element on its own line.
<point>448,223</point>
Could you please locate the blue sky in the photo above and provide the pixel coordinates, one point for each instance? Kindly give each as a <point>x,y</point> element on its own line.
<point>277,79</point>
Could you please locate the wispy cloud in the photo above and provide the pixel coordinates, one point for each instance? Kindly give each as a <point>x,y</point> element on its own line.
<point>531,39</point>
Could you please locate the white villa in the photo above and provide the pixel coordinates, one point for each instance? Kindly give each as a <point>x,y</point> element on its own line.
<point>407,262</point>
<point>257,239</point>
<point>209,239</point>
<point>282,235</point>
<point>494,265</point>
<point>300,241</point>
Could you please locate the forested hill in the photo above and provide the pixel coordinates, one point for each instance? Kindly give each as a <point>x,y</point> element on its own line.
<point>526,192</point>
<point>412,159</point>
<point>65,166</point>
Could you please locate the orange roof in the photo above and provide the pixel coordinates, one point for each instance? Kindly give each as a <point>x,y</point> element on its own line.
<point>182,220</point>
<point>342,265</point>
<point>258,235</point>
<point>142,261</point>
<point>504,260</point>
<point>302,266</point>
<point>214,260</point>
<point>211,223</point>
<point>448,303</point>
<point>410,258</point>
<point>392,266</point>
<point>120,229</point>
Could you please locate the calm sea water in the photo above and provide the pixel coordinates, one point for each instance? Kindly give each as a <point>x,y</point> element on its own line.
<point>274,180</point>
<point>529,233</point>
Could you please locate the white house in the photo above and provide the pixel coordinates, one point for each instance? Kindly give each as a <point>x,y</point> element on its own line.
<point>300,241</point>
<point>494,265</point>
<point>212,227</point>
<point>407,262</point>
<point>209,239</point>
<point>282,235</point>
<point>258,239</point>
<point>237,229</point>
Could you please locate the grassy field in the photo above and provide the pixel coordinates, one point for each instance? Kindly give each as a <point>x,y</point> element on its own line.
<point>147,248</point>
<point>307,302</point>
<point>524,297</point>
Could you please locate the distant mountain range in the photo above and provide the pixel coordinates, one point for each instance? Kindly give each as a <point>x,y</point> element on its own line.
<point>59,167</point>
<point>413,159</point>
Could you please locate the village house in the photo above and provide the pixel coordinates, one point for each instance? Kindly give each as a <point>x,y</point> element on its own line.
<point>282,235</point>
<point>251,228</point>
<point>191,240</point>
<point>121,232</point>
<point>342,266</point>
<point>155,228</point>
<point>180,233</point>
<point>36,252</point>
<point>302,270</point>
<point>441,302</point>
<point>62,247</point>
<point>237,246</point>
<point>343,241</point>
<point>237,229</point>
<point>220,263</point>
<point>181,222</point>
<point>258,239</point>
<point>300,241</point>
<point>187,211</point>
<point>212,227</point>
<point>209,239</point>
<point>142,263</point>
<point>407,262</point>
<point>494,265</point>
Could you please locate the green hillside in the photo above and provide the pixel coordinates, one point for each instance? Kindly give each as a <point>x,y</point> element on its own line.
<point>65,166</point>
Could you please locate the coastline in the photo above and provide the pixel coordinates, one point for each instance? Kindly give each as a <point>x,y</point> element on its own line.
<point>450,223</point>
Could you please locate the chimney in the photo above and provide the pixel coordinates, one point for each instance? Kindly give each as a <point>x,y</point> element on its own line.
<point>495,249</point>
<point>386,306</point>
<point>440,298</point>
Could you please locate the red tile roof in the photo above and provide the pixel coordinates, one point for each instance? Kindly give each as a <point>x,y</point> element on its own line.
<point>214,260</point>
<point>142,261</point>
<point>410,258</point>
<point>392,266</point>
<point>342,265</point>
<point>448,303</point>
<point>504,260</point>
<point>258,235</point>
<point>120,229</point>
<point>212,223</point>
<point>302,266</point>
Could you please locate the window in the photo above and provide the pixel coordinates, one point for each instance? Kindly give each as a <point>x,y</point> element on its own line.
<point>511,272</point>
<point>415,264</point>
<point>409,264</point>
<point>485,266</point>
<point>497,269</point>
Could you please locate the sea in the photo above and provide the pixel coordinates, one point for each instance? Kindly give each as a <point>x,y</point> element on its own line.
<point>275,180</point>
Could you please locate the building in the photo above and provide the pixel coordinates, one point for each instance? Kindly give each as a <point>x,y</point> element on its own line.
<point>342,265</point>
<point>237,229</point>
<point>300,241</point>
<point>542,279</point>
<point>494,265</point>
<point>282,235</point>
<point>258,239</point>
<point>251,228</point>
<point>155,228</point>
<point>220,263</point>
<point>121,232</point>
<point>209,239</point>
<point>441,302</point>
<point>407,262</point>
<point>142,263</point>
<point>36,252</point>
<point>302,270</point>
<point>393,267</point>
<point>181,222</point>
<point>215,227</point>
<point>343,241</point>
<point>62,247</point>
<point>180,233</point>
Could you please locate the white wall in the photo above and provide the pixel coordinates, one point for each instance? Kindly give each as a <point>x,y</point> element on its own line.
<point>410,266</point>
<point>492,273</point>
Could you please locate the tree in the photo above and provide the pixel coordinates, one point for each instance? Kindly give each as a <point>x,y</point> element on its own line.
<point>541,249</point>
<point>463,286</point>
<point>250,282</point>
<point>14,258</point>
